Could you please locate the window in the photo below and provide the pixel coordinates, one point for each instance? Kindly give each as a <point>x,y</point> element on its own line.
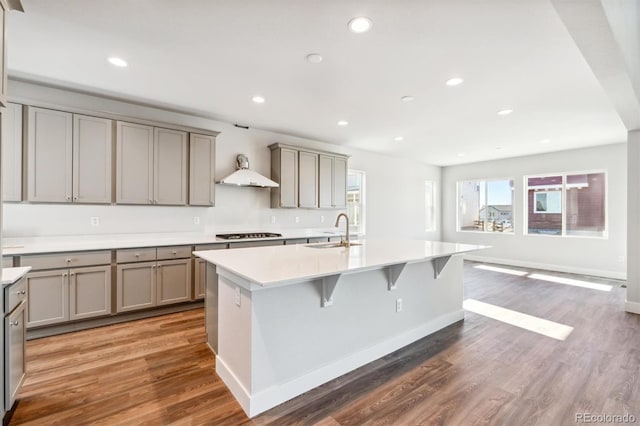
<point>355,200</point>
<point>430,206</point>
<point>485,205</point>
<point>567,204</point>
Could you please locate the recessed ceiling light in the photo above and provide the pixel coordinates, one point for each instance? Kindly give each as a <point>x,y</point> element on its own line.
<point>545,141</point>
<point>360,25</point>
<point>505,111</point>
<point>314,58</point>
<point>398,138</point>
<point>454,81</point>
<point>407,98</point>
<point>343,123</point>
<point>461,154</point>
<point>258,99</point>
<point>118,62</point>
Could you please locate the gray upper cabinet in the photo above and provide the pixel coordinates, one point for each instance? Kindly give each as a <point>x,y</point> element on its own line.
<point>340,183</point>
<point>12,153</point>
<point>92,149</point>
<point>284,170</point>
<point>151,165</point>
<point>4,11</point>
<point>49,155</point>
<point>325,180</point>
<point>134,163</point>
<point>170,167</point>
<point>201,170</point>
<point>308,180</point>
<point>333,182</point>
<point>68,157</point>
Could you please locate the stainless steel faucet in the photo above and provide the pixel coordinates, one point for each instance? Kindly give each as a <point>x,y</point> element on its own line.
<point>344,242</point>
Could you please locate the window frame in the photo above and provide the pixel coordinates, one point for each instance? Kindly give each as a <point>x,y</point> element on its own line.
<point>361,229</point>
<point>563,234</point>
<point>434,221</point>
<point>486,197</point>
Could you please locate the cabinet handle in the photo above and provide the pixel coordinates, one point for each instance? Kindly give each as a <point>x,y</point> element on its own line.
<point>19,292</point>
<point>75,198</point>
<point>150,201</point>
<point>14,323</point>
<point>68,260</point>
<point>174,252</point>
<point>65,274</point>
<point>68,197</point>
<point>137,254</point>
<point>153,266</point>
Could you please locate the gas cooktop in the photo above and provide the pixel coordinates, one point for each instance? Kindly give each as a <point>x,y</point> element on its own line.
<point>242,236</point>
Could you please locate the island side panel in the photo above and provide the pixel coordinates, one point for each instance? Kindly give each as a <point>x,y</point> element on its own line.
<point>298,345</point>
<point>233,361</point>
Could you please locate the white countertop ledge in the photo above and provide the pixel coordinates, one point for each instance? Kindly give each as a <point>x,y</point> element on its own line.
<point>11,275</point>
<point>279,265</point>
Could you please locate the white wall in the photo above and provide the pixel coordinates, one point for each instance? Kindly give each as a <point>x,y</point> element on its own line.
<point>595,256</point>
<point>394,194</point>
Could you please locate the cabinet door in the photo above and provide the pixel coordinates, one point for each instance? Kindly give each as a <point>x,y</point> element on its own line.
<point>12,153</point>
<point>174,281</point>
<point>288,178</point>
<point>170,167</point>
<point>14,350</point>
<point>47,297</point>
<point>89,292</point>
<point>92,147</point>
<point>325,181</point>
<point>340,183</point>
<point>136,286</point>
<point>49,159</point>
<point>200,279</point>
<point>308,180</point>
<point>201,170</point>
<point>4,10</point>
<point>134,163</point>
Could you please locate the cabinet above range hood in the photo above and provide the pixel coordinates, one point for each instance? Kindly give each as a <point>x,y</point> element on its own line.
<point>243,176</point>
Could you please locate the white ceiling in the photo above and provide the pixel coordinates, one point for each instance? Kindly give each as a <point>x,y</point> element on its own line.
<point>213,56</point>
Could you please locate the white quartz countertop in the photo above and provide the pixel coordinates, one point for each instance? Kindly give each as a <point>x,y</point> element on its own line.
<point>56,244</point>
<point>288,264</point>
<point>11,275</point>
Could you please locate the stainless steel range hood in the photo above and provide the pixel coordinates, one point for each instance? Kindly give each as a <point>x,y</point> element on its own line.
<point>243,176</point>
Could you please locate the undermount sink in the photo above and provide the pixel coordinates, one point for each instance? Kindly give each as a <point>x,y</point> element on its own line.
<point>331,245</point>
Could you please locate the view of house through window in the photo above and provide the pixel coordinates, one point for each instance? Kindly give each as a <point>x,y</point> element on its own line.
<point>355,200</point>
<point>485,206</point>
<point>567,204</point>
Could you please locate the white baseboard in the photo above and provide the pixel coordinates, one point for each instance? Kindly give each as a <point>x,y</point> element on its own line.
<point>632,307</point>
<point>550,267</point>
<point>277,394</point>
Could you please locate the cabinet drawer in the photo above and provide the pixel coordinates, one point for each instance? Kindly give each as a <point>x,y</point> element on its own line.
<point>66,260</point>
<point>203,247</point>
<point>14,294</point>
<point>256,244</point>
<point>135,255</point>
<point>175,252</point>
<point>295,241</point>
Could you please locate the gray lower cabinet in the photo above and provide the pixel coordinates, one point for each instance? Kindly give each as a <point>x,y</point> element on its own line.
<point>15,303</point>
<point>200,279</point>
<point>148,284</point>
<point>173,281</point>
<point>14,351</point>
<point>136,286</point>
<point>61,295</point>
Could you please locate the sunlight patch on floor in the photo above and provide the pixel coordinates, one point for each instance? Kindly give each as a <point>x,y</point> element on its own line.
<point>569,281</point>
<point>502,270</point>
<point>528,322</point>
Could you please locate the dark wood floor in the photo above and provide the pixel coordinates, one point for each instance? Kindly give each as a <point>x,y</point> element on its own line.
<point>478,371</point>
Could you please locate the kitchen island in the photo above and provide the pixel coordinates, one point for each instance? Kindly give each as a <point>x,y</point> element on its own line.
<point>287,319</point>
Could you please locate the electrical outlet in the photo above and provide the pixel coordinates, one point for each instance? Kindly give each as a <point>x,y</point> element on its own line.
<point>237,296</point>
<point>297,219</point>
<point>321,219</point>
<point>273,219</point>
<point>196,220</point>
<point>95,221</point>
<point>398,305</point>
